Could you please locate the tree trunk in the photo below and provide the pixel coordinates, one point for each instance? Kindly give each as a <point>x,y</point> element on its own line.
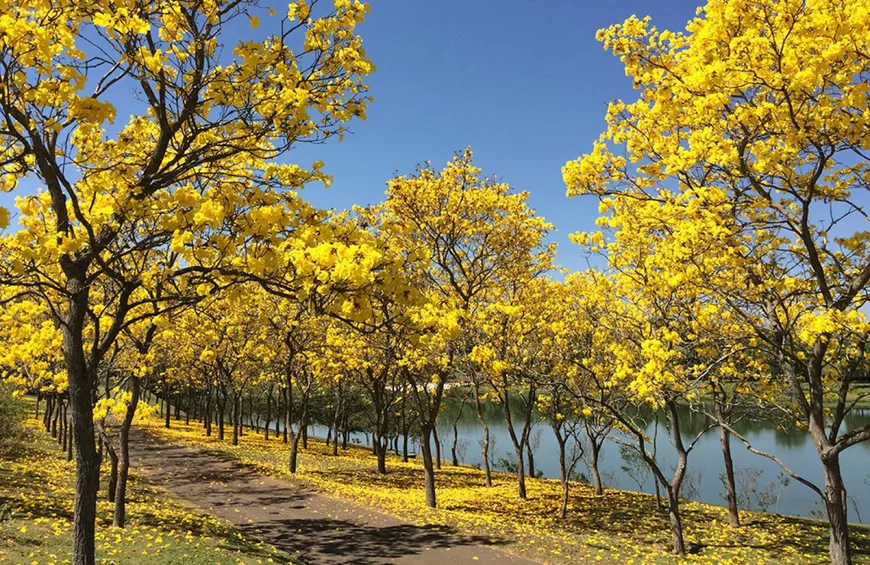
<point>294,451</point>
<point>405,426</point>
<point>521,473</point>
<point>563,473</point>
<point>57,410</point>
<point>81,382</point>
<point>531,455</point>
<point>69,452</point>
<point>64,430</point>
<point>596,474</point>
<point>268,416</point>
<point>120,515</point>
<point>113,474</point>
<point>437,446</point>
<point>336,421</point>
<point>484,445</point>
<point>166,413</point>
<point>241,415</point>
<point>46,416</point>
<point>731,491</point>
<point>236,418</point>
<point>221,409</point>
<point>381,453</point>
<point>835,504</point>
<point>676,521</point>
<point>455,457</point>
<point>208,414</point>
<point>677,480</point>
<point>277,418</point>
<point>287,414</point>
<point>655,451</point>
<point>428,468</point>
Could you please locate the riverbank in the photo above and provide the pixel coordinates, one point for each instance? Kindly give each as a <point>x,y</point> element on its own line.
<point>36,506</point>
<point>619,527</point>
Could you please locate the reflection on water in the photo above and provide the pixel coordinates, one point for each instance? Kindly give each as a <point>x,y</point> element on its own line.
<point>758,475</point>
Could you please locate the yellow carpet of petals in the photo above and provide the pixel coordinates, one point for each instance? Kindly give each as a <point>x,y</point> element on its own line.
<point>620,527</point>
<point>36,484</point>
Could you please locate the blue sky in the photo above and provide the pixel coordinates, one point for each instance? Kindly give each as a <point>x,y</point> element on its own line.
<point>523,82</point>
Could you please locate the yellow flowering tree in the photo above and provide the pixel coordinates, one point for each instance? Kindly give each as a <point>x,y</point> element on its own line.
<point>32,358</point>
<point>133,359</point>
<point>757,115</point>
<point>518,355</point>
<point>462,235</point>
<point>194,157</point>
<point>632,352</point>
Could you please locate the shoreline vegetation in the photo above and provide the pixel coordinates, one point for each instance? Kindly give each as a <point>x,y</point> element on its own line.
<point>618,527</point>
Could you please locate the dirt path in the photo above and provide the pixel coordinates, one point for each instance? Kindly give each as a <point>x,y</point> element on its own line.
<point>311,527</point>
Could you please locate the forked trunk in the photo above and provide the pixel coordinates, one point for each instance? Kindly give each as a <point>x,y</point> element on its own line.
<point>596,474</point>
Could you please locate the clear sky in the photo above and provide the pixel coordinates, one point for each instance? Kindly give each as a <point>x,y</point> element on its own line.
<point>523,82</point>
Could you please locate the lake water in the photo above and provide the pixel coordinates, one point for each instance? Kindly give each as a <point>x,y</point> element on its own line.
<point>754,473</point>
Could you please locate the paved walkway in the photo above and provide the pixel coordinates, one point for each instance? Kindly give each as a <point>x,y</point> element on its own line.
<point>312,527</point>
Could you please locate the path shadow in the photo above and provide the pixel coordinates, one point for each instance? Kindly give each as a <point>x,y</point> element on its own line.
<point>281,515</point>
<point>199,477</point>
<point>343,542</point>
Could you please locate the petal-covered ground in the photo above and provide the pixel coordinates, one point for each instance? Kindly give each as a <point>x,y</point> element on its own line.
<point>36,505</point>
<point>316,528</point>
<point>619,527</point>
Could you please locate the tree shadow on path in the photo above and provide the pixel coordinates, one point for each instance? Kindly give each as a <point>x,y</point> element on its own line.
<point>341,541</point>
<point>313,528</point>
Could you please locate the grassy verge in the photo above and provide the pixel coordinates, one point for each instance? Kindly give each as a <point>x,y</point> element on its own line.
<point>36,486</point>
<point>619,527</point>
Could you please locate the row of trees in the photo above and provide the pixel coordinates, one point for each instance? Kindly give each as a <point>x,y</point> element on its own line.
<point>174,257</point>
